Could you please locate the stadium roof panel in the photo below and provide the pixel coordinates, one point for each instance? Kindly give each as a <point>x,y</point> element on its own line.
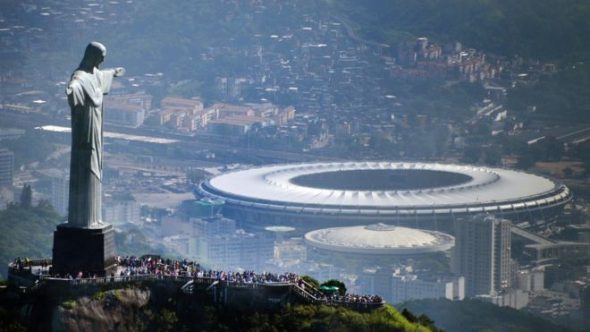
<point>386,187</point>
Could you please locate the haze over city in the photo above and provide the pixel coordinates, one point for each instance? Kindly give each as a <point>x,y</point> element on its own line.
<point>433,156</point>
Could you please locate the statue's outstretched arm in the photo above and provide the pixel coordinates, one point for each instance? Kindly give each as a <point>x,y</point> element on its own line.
<point>119,71</point>
<point>106,77</point>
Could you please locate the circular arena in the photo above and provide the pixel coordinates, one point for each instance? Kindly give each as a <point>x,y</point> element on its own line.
<point>356,248</point>
<point>425,195</point>
<point>379,239</point>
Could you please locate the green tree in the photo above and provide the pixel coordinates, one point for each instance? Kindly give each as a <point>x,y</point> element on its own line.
<point>336,283</point>
<point>196,175</point>
<point>26,232</point>
<point>312,281</point>
<point>585,298</point>
<point>471,154</point>
<point>26,196</point>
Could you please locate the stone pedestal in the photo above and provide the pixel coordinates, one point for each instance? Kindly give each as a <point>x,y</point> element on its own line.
<point>87,250</point>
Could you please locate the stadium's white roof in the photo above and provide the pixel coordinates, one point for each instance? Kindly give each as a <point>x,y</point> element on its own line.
<point>379,239</point>
<point>485,190</point>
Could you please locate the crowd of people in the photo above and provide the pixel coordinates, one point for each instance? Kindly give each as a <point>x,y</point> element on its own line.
<point>130,267</point>
<point>357,299</point>
<point>19,264</point>
<point>150,265</point>
<point>154,265</point>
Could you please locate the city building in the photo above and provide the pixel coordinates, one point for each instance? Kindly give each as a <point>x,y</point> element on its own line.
<point>290,251</point>
<point>531,280</point>
<point>230,88</point>
<point>235,120</point>
<point>60,193</point>
<point>120,209</point>
<point>183,114</point>
<point>542,251</point>
<point>558,251</point>
<point>128,110</point>
<point>235,125</point>
<point>203,208</point>
<point>192,106</point>
<point>513,298</point>
<point>219,244</point>
<point>6,167</point>
<point>126,115</point>
<point>11,133</point>
<point>411,287</point>
<point>398,286</point>
<point>482,254</point>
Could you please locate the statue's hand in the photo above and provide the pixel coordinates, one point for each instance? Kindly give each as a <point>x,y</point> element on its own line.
<point>119,71</point>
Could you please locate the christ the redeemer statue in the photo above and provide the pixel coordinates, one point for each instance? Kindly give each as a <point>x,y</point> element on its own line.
<point>85,93</point>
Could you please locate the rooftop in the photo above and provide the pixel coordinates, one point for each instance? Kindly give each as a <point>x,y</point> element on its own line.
<point>379,239</point>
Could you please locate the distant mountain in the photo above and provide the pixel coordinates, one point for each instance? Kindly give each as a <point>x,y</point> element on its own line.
<point>547,30</point>
<point>544,29</point>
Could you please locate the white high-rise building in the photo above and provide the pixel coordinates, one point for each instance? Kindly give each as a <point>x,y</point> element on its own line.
<point>60,192</point>
<point>482,254</point>
<point>410,287</point>
<point>400,285</point>
<point>6,167</point>
<point>531,280</point>
<point>221,245</point>
<point>121,209</point>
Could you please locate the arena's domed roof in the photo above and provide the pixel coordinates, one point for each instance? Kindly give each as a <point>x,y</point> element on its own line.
<point>379,239</point>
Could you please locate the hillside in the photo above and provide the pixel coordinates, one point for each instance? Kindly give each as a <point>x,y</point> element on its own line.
<point>160,307</point>
<point>474,315</point>
<point>545,29</point>
<point>27,232</point>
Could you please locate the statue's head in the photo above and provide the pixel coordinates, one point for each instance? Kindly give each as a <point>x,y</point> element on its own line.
<point>93,56</point>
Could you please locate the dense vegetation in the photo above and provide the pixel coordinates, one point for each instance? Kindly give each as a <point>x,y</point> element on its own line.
<point>549,30</point>
<point>562,97</point>
<point>164,311</point>
<point>26,232</point>
<point>545,29</point>
<point>474,315</point>
<point>316,318</point>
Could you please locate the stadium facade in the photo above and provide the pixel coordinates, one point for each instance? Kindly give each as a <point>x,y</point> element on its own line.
<point>421,195</point>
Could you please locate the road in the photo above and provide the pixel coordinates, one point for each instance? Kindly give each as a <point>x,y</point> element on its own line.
<point>28,121</point>
<point>574,135</point>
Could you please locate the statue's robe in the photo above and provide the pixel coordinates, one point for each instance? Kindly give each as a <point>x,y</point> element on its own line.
<point>85,95</point>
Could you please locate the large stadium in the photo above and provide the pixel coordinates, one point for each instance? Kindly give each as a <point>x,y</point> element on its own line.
<point>425,195</point>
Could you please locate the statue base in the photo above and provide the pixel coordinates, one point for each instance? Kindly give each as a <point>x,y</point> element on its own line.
<point>87,250</point>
